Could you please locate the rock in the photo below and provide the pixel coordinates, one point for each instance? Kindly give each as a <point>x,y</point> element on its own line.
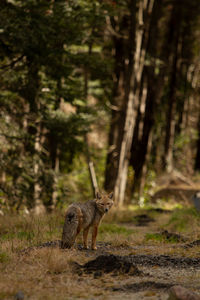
<point>196,201</point>
<point>192,244</point>
<point>19,295</point>
<point>170,236</point>
<point>178,292</point>
<point>97,274</point>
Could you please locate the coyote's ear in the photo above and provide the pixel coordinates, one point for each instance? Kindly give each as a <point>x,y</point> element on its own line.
<point>111,195</point>
<point>98,195</point>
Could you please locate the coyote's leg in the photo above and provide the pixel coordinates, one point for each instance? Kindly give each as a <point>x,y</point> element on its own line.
<point>94,236</point>
<point>78,230</point>
<point>85,237</point>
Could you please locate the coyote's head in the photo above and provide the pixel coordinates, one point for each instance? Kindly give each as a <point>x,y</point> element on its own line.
<point>104,202</point>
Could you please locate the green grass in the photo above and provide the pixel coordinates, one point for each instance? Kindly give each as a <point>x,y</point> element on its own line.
<point>184,220</point>
<point>25,231</point>
<point>159,237</point>
<point>21,235</point>
<point>114,228</point>
<point>4,257</point>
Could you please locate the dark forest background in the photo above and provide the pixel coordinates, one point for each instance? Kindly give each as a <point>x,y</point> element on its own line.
<point>117,82</point>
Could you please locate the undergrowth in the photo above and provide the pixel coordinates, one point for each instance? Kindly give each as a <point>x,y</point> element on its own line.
<point>186,220</point>
<point>159,237</point>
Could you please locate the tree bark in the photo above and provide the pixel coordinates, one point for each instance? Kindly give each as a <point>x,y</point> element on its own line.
<point>173,40</point>
<point>197,158</point>
<point>133,99</point>
<point>33,146</point>
<point>123,56</point>
<point>150,90</point>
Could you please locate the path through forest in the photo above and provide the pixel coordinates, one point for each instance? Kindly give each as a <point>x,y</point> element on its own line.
<point>148,269</point>
<point>140,272</point>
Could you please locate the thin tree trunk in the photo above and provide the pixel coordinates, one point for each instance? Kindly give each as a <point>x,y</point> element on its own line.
<point>90,163</point>
<point>139,155</point>
<point>55,180</point>
<point>54,144</point>
<point>174,35</point>
<point>91,169</point>
<point>38,205</point>
<point>197,158</point>
<point>54,153</point>
<point>194,82</point>
<point>34,146</point>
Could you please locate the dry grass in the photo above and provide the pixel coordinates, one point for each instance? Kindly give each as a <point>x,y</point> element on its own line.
<point>47,273</point>
<point>39,279</point>
<point>41,273</point>
<point>44,274</point>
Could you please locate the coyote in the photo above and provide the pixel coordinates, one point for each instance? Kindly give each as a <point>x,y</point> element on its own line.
<point>83,216</point>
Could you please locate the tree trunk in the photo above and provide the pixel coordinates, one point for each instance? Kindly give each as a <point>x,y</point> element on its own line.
<point>152,85</point>
<point>195,80</point>
<point>54,154</point>
<point>124,54</point>
<point>174,35</point>
<point>33,147</point>
<point>197,158</point>
<point>90,163</point>
<point>133,99</point>
<point>38,205</point>
<point>138,158</point>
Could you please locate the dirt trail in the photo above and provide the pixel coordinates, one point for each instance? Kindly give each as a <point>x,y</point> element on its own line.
<point>144,273</point>
<point>140,276</point>
<point>142,270</point>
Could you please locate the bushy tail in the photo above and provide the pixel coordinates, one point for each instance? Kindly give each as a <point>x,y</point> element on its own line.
<point>70,228</point>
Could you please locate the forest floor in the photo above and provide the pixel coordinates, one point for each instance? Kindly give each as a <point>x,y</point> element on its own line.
<point>141,254</point>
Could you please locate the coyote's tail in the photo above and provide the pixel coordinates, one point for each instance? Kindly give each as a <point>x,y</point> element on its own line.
<point>70,229</point>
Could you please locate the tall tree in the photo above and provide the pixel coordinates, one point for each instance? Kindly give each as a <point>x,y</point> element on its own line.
<point>152,85</point>
<point>131,91</point>
<point>122,26</point>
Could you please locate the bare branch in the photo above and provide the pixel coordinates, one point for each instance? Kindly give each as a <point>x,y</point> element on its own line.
<point>13,63</point>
